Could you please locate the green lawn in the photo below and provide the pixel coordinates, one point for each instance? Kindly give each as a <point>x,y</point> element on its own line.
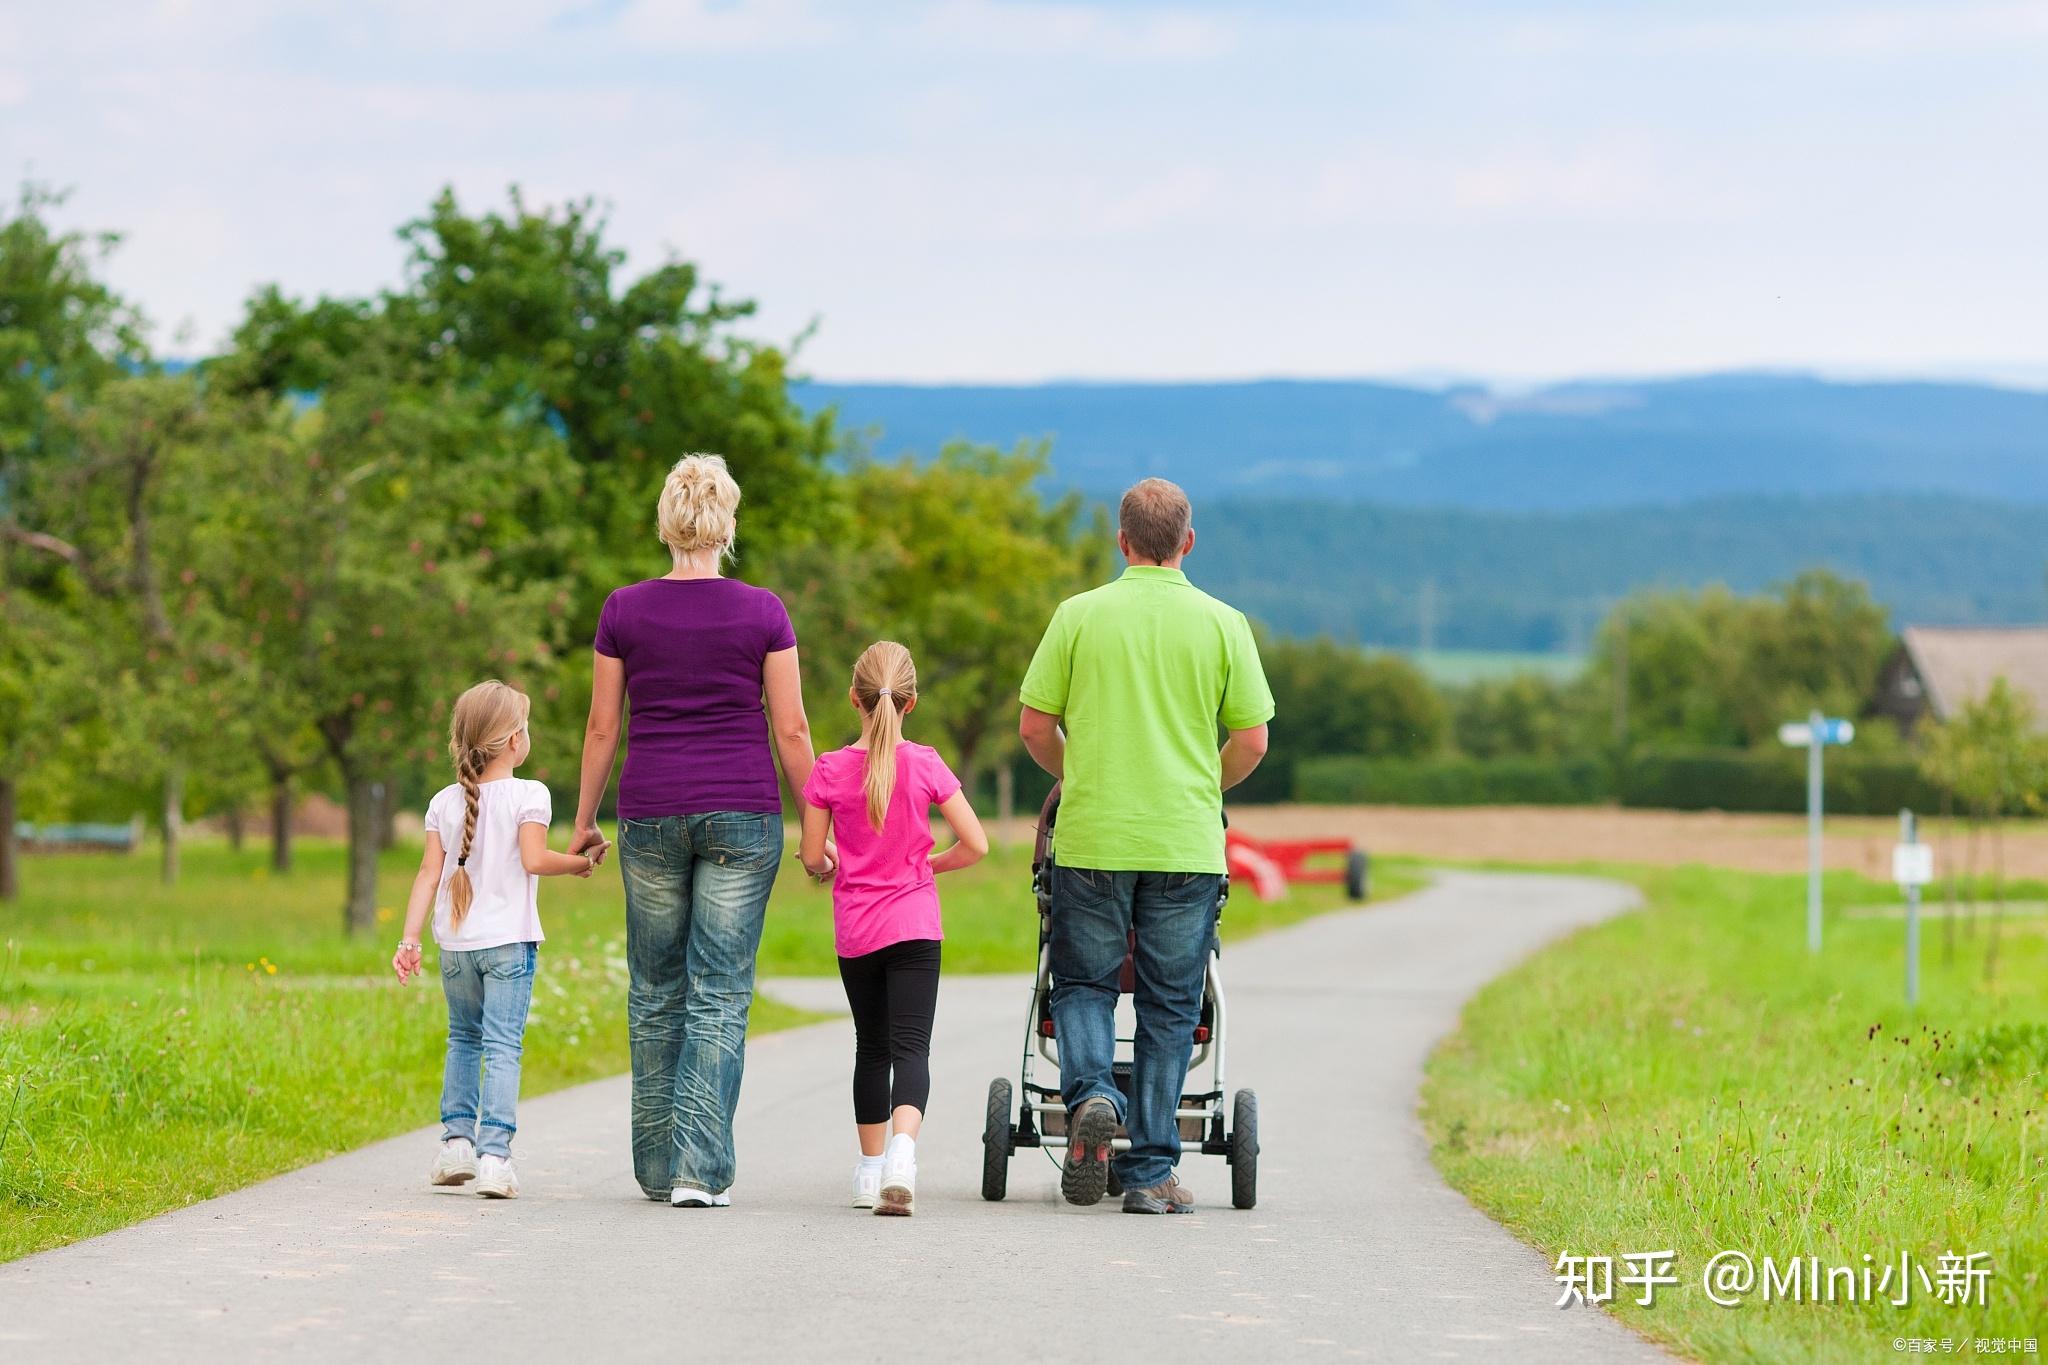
<point>1689,1077</point>
<point>160,1046</point>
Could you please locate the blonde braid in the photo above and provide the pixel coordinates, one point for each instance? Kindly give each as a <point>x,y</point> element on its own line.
<point>461,891</point>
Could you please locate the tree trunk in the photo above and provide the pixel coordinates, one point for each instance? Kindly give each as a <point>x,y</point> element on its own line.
<point>174,822</point>
<point>232,818</point>
<point>281,822</point>
<point>387,827</point>
<point>365,841</point>
<point>10,879</point>
<point>1970,881</point>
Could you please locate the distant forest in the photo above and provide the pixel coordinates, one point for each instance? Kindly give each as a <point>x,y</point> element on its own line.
<point>1384,576</point>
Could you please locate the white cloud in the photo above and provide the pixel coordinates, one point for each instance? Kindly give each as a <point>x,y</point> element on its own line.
<point>1104,32</point>
<point>708,26</point>
<point>14,89</point>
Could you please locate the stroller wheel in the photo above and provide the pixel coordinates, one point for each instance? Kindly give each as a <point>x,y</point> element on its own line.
<point>1357,876</point>
<point>995,1142</point>
<point>1244,1150</point>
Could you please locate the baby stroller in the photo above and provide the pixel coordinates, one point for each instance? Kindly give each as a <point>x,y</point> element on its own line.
<point>1040,1119</point>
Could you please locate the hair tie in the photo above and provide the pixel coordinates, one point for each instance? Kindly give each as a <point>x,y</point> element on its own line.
<point>884,692</point>
<point>462,861</point>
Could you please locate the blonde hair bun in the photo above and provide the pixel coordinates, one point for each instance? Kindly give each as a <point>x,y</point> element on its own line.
<point>698,506</point>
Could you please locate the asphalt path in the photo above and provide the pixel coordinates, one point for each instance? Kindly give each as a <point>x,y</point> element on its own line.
<point>1357,1249</point>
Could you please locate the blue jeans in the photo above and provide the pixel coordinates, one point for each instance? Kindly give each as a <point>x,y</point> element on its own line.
<point>1093,914</point>
<point>696,895</point>
<point>488,990</point>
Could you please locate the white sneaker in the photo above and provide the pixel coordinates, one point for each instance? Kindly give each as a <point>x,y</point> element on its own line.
<point>689,1197</point>
<point>899,1185</point>
<point>495,1178</point>
<point>867,1185</point>
<point>454,1164</point>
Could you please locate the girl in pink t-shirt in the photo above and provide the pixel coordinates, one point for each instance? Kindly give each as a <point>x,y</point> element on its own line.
<point>875,799</point>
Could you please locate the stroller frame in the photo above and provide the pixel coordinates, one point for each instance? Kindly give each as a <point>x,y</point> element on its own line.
<point>1041,1119</point>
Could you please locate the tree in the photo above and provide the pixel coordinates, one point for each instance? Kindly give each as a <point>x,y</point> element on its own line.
<point>1708,668</point>
<point>377,552</point>
<point>1990,758</point>
<point>61,331</point>
<point>963,560</point>
<point>1528,714</point>
<point>1336,699</point>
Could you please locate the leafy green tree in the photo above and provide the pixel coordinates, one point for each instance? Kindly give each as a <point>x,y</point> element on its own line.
<point>62,332</point>
<point>1992,760</point>
<point>1711,669</point>
<point>1336,699</point>
<point>379,551</point>
<point>1527,714</point>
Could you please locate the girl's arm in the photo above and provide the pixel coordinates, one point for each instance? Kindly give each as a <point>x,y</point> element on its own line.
<point>973,841</point>
<point>816,859</point>
<point>600,748</point>
<point>541,861</point>
<point>784,685</point>
<point>426,885</point>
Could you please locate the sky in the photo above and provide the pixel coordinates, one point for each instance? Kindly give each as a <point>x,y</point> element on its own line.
<point>973,190</point>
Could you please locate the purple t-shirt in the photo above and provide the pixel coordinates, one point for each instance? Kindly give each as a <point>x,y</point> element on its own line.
<point>697,736</point>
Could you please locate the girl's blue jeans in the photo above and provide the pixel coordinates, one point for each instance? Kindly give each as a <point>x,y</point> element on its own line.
<point>488,992</point>
<point>696,897</point>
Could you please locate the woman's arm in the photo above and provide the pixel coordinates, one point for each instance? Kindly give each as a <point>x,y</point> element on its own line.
<point>973,840</point>
<point>600,749</point>
<point>426,885</point>
<point>787,724</point>
<point>817,824</point>
<point>541,861</point>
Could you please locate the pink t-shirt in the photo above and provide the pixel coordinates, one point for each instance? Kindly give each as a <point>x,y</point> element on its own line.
<point>883,892</point>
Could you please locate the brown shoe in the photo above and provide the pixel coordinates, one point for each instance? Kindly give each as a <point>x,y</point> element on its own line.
<point>1168,1197</point>
<point>1091,1127</point>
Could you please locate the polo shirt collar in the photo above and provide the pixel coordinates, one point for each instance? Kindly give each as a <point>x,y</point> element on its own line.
<point>1154,571</point>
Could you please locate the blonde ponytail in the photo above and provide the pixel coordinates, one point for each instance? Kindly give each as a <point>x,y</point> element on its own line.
<point>885,685</point>
<point>487,717</point>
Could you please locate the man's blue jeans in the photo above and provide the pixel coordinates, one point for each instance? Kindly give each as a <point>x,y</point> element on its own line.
<point>488,990</point>
<point>1093,914</point>
<point>696,895</point>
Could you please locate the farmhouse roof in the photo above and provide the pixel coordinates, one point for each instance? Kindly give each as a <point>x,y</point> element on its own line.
<point>1957,664</point>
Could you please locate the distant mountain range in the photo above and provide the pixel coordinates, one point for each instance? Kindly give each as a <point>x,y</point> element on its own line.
<point>1567,447</point>
<point>1474,519</point>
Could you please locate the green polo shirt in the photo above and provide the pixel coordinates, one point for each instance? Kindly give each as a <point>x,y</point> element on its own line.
<point>1140,671</point>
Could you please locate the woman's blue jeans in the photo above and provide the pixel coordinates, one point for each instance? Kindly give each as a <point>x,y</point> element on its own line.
<point>696,896</point>
<point>488,991</point>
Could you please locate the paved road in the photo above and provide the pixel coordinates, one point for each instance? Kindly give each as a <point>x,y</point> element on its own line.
<point>1357,1249</point>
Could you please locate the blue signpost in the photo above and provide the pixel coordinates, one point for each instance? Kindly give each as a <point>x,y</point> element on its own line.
<point>1815,734</point>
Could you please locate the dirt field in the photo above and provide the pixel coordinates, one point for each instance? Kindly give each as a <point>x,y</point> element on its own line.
<point>1758,843</point>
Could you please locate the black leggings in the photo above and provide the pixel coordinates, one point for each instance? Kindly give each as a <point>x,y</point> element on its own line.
<point>894,992</point>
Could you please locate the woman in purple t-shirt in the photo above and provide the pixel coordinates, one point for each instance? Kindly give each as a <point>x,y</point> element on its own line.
<point>700,821</point>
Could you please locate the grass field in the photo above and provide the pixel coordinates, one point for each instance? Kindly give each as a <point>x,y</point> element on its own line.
<point>1690,1078</point>
<point>160,1046</point>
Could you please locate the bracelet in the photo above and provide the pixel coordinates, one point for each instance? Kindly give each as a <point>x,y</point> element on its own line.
<point>403,945</point>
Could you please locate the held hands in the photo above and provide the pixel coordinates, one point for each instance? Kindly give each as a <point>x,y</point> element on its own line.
<point>406,962</point>
<point>592,844</point>
<point>827,864</point>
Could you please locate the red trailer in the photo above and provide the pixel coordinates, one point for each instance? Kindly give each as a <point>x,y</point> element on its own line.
<point>1270,866</point>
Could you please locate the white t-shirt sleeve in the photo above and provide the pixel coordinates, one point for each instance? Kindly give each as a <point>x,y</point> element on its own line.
<point>433,821</point>
<point>536,805</point>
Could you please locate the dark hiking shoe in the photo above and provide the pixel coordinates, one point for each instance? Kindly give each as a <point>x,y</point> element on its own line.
<point>1090,1129</point>
<point>1168,1197</point>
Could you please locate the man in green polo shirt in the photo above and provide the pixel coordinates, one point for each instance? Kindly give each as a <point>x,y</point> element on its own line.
<point>1139,674</point>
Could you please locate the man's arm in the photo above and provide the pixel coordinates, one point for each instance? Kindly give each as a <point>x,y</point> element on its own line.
<point>1241,753</point>
<point>1044,742</point>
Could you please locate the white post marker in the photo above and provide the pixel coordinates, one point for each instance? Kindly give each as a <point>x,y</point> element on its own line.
<point>1912,868</point>
<point>1815,734</point>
